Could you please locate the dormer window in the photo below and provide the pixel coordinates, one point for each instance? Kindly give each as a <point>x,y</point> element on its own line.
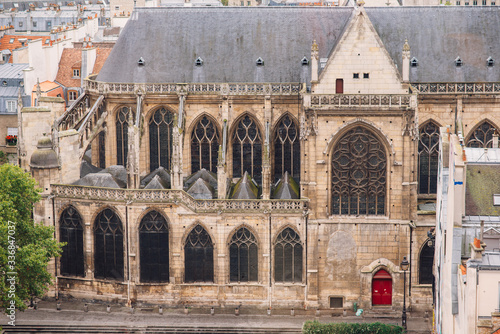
<point>414,62</point>
<point>304,61</point>
<point>76,73</point>
<point>11,40</point>
<point>259,62</point>
<point>490,62</point>
<point>458,62</point>
<point>141,62</point>
<point>198,62</point>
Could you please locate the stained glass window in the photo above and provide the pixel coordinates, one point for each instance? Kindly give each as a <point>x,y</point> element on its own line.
<point>428,155</point>
<point>153,243</point>
<point>247,149</point>
<point>425,265</point>
<point>71,232</point>
<point>287,149</point>
<point>102,149</point>
<point>204,146</point>
<point>108,246</point>
<point>122,135</point>
<point>198,256</point>
<point>243,266</point>
<point>161,126</point>
<point>288,257</point>
<point>482,136</point>
<point>358,174</point>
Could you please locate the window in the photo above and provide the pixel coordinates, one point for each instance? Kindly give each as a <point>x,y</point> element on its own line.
<point>247,149</point>
<point>259,62</point>
<point>71,232</point>
<point>48,25</point>
<point>117,7</point>
<point>482,136</point>
<point>198,256</point>
<point>47,41</point>
<point>108,246</point>
<point>76,73</point>
<point>161,126</point>
<point>490,62</point>
<point>153,243</point>
<point>358,174</point>
<point>204,146</point>
<point>288,257</point>
<point>72,95</point>
<point>4,83</point>
<point>243,260</point>
<point>12,131</point>
<point>366,75</point>
<point>242,3</point>
<point>458,3</point>
<point>34,24</point>
<point>11,106</point>
<point>304,61</point>
<point>248,3</point>
<point>458,62</point>
<point>496,199</point>
<point>20,24</point>
<point>102,149</point>
<point>336,302</point>
<point>425,265</point>
<point>474,3</point>
<point>11,40</point>
<point>428,156</point>
<point>414,62</point>
<point>287,149</point>
<point>466,3</point>
<point>198,62</point>
<point>122,118</point>
<point>484,3</point>
<point>355,75</point>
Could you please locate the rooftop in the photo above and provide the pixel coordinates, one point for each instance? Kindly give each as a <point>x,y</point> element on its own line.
<point>12,71</point>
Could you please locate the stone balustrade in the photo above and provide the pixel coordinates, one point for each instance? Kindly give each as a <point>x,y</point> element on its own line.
<point>457,88</point>
<point>360,100</point>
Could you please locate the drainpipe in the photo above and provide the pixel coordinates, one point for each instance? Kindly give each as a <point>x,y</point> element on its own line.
<point>128,257</point>
<point>269,294</point>
<point>306,215</point>
<point>56,284</point>
<point>411,263</point>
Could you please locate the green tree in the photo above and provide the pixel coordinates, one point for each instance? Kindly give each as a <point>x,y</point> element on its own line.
<point>25,247</point>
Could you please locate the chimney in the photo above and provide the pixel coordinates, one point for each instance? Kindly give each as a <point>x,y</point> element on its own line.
<point>406,62</point>
<point>477,249</point>
<point>314,62</point>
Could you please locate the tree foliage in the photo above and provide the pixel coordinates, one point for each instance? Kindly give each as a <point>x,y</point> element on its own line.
<point>315,327</point>
<point>34,244</point>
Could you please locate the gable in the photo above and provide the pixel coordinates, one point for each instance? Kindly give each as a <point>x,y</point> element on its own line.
<point>361,61</point>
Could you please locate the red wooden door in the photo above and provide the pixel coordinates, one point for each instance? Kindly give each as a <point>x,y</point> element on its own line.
<point>382,288</point>
<point>339,86</point>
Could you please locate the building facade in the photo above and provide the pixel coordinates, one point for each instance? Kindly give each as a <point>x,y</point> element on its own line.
<point>290,161</point>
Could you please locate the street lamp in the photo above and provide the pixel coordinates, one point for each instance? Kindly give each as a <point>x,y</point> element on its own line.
<point>404,266</point>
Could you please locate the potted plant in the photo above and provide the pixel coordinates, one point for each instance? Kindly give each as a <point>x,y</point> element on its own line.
<point>11,140</point>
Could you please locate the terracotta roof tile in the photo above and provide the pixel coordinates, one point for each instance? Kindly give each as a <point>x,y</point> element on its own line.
<point>71,58</point>
<point>6,44</point>
<point>102,55</point>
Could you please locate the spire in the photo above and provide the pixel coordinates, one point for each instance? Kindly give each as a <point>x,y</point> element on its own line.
<point>406,46</point>
<point>314,47</point>
<point>38,90</point>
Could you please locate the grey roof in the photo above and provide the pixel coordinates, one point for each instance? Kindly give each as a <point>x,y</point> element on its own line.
<point>157,183</point>
<point>104,180</point>
<point>286,188</point>
<point>9,91</point>
<point>117,171</point>
<point>87,168</point>
<point>228,39</point>
<point>44,156</point>
<point>245,188</point>
<point>489,261</point>
<point>204,174</point>
<point>12,71</point>
<point>161,172</point>
<point>438,35</point>
<point>201,189</point>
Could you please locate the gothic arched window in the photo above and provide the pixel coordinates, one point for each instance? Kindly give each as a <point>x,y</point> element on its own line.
<point>71,232</point>
<point>204,146</point>
<point>122,118</point>
<point>425,265</point>
<point>358,174</point>
<point>288,257</point>
<point>102,149</point>
<point>198,256</point>
<point>153,243</point>
<point>247,149</point>
<point>108,246</point>
<point>161,126</point>
<point>482,136</point>
<point>428,155</point>
<point>287,149</point>
<point>243,260</point>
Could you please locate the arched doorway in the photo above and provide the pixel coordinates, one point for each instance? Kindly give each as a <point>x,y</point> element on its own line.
<point>382,288</point>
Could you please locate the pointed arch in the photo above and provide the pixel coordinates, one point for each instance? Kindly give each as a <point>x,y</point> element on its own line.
<point>358,173</point>
<point>428,156</point>
<point>247,147</point>
<point>198,256</point>
<point>154,247</point>
<point>71,232</point>
<point>382,288</point>
<point>482,135</point>
<point>108,245</point>
<point>161,125</point>
<point>286,145</point>
<point>288,254</point>
<point>121,121</point>
<point>425,263</point>
<point>243,256</point>
<point>205,139</point>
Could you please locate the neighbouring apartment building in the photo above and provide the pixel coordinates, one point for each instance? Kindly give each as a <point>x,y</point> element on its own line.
<point>287,161</point>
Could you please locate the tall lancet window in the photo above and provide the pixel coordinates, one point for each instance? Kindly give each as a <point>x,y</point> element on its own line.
<point>204,146</point>
<point>153,243</point>
<point>247,149</point>
<point>287,149</point>
<point>198,256</point>
<point>243,257</point>
<point>108,246</point>
<point>428,155</point>
<point>161,126</point>
<point>122,118</point>
<point>71,232</point>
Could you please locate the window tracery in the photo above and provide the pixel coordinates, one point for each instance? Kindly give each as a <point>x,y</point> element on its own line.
<point>198,256</point>
<point>288,257</point>
<point>154,248</point>
<point>204,146</point>
<point>287,149</point>
<point>247,149</point>
<point>428,156</point>
<point>160,139</point>
<point>108,246</point>
<point>71,232</point>
<point>243,265</point>
<point>482,136</point>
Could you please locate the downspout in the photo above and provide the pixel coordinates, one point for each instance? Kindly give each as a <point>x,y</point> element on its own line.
<point>411,243</point>
<point>306,215</point>
<point>56,284</point>
<point>128,257</point>
<point>269,294</point>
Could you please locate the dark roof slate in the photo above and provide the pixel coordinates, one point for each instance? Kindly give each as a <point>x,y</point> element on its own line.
<point>201,189</point>
<point>245,188</point>
<point>104,180</point>
<point>161,172</point>
<point>286,188</point>
<point>204,174</point>
<point>157,183</point>
<point>229,40</point>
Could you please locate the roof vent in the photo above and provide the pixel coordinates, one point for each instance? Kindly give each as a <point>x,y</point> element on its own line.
<point>490,61</point>
<point>496,199</point>
<point>304,61</point>
<point>141,62</point>
<point>259,62</point>
<point>414,62</point>
<point>198,61</point>
<point>458,62</point>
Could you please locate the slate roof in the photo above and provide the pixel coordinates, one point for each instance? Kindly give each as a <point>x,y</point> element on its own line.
<point>482,181</point>
<point>104,180</point>
<point>157,183</point>
<point>204,174</point>
<point>286,188</point>
<point>438,35</point>
<point>228,39</point>
<point>12,71</point>
<point>201,189</point>
<point>161,172</point>
<point>245,188</point>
